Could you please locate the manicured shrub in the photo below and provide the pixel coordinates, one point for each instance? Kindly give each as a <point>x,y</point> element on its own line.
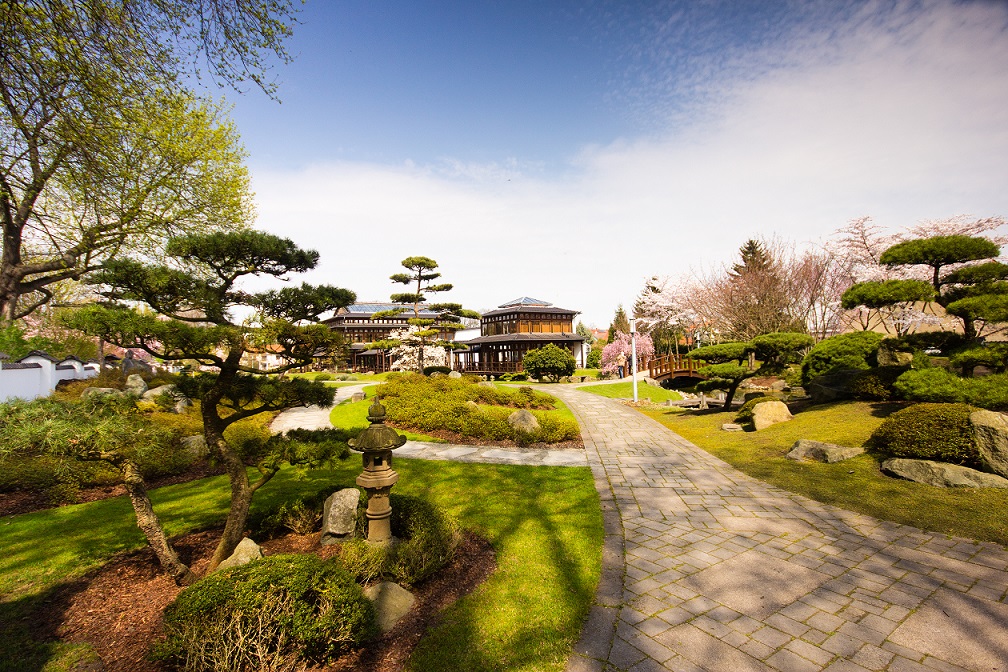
<point>428,370</point>
<point>427,537</point>
<point>267,614</point>
<point>939,385</point>
<point>322,377</point>
<point>994,356</point>
<point>946,341</point>
<point>855,350</point>
<point>939,432</point>
<point>875,384</point>
<point>745,413</point>
<point>549,362</point>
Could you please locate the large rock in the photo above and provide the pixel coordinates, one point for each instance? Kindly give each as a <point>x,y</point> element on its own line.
<point>91,392</point>
<point>154,392</point>
<point>357,396</point>
<point>990,431</point>
<point>732,427</point>
<point>832,387</point>
<point>391,602</point>
<point>454,374</point>
<point>769,413</point>
<point>523,421</point>
<point>339,515</point>
<point>135,385</point>
<point>486,383</point>
<point>246,551</point>
<point>891,357</point>
<point>941,474</point>
<point>806,449</point>
<point>195,445</point>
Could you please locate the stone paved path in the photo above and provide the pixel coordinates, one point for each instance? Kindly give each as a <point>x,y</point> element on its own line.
<point>705,568</point>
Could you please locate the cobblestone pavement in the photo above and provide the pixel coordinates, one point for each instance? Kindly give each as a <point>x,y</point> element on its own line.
<point>705,568</point>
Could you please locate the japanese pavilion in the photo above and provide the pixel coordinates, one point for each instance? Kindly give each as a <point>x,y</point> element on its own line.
<point>514,328</point>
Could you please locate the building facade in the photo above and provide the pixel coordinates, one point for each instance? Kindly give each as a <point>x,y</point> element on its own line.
<point>514,328</point>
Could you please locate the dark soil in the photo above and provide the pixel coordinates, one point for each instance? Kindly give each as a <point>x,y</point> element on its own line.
<point>117,608</point>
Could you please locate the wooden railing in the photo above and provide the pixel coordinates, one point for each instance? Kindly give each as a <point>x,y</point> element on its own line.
<point>667,366</point>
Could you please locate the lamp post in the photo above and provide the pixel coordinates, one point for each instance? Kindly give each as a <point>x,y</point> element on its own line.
<point>378,477</point>
<point>633,355</point>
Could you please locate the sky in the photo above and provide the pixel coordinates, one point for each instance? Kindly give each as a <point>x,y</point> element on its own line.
<point>568,150</point>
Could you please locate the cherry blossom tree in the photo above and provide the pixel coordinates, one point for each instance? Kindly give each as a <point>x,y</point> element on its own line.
<point>410,355</point>
<point>621,343</point>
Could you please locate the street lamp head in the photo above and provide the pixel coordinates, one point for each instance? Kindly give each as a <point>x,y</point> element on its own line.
<point>633,325</point>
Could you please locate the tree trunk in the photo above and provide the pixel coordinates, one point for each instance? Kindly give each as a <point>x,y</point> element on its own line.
<point>148,521</point>
<point>241,500</point>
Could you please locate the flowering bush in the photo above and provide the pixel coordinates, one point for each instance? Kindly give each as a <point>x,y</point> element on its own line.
<point>645,351</point>
<point>406,354</point>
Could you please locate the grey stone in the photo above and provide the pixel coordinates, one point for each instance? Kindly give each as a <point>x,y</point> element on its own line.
<point>391,602</point>
<point>806,449</point>
<point>195,445</point>
<point>135,385</point>
<point>246,551</point>
<point>941,474</point>
<point>339,515</point>
<point>454,374</point>
<point>91,392</point>
<point>472,405</point>
<point>731,427</point>
<point>889,357</point>
<point>778,385</point>
<point>182,405</point>
<point>797,391</point>
<point>357,396</point>
<point>523,421</point>
<point>486,383</point>
<point>154,392</point>
<point>770,413</point>
<point>990,430</point>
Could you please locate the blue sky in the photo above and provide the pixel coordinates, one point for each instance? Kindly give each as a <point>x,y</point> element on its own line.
<point>567,150</point>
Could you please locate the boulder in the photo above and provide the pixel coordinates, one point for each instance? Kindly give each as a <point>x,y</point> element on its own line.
<point>195,445</point>
<point>769,413</point>
<point>832,387</point>
<point>990,430</point>
<point>357,396</point>
<point>339,515</point>
<point>731,427</point>
<point>246,551</point>
<point>523,421</point>
<point>486,383</point>
<point>91,392</point>
<point>889,357</point>
<point>135,385</point>
<point>941,474</point>
<point>472,405</point>
<point>182,405</point>
<point>154,392</point>
<point>391,603</point>
<point>797,391</point>
<point>454,374</point>
<point>806,449</point>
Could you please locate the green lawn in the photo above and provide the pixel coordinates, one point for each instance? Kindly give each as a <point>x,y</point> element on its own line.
<point>544,522</point>
<point>625,391</point>
<point>856,484</point>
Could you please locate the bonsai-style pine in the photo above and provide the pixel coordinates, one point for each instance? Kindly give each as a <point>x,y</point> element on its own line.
<point>440,319</point>
<point>724,369</point>
<point>187,310</point>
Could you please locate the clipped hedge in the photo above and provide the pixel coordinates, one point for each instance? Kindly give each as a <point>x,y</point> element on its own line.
<point>856,350</point>
<point>271,613</point>
<point>938,385</point>
<point>427,537</point>
<point>939,432</point>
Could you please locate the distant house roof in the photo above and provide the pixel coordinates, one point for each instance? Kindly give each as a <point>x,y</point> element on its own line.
<point>541,307</point>
<point>39,353</point>
<point>525,301</point>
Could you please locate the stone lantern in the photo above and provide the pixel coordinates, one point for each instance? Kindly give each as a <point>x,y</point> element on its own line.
<point>376,443</point>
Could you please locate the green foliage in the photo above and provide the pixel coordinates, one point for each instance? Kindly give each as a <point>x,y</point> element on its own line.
<point>779,349</point>
<point>879,294</point>
<point>59,343</point>
<point>876,384</point>
<point>722,352</point>
<point>428,370</point>
<point>856,350</point>
<point>620,324</point>
<point>945,341</point>
<point>513,377</point>
<point>549,361</point>
<point>745,413</point>
<point>323,377</point>
<point>42,443</point>
<point>594,358</point>
<point>938,385</point>
<point>276,608</point>
<point>434,404</point>
<point>427,537</point>
<point>994,356</point>
<point>939,251</point>
<point>940,432</point>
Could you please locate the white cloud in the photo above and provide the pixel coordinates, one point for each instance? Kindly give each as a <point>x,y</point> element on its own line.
<point>902,117</point>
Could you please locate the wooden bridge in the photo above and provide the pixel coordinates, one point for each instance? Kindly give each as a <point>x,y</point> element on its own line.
<point>673,367</point>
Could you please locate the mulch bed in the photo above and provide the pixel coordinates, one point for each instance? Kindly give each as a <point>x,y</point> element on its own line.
<point>117,608</point>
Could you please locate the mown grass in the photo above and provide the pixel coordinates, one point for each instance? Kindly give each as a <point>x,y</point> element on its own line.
<point>856,484</point>
<point>625,391</point>
<point>544,523</point>
<point>353,415</point>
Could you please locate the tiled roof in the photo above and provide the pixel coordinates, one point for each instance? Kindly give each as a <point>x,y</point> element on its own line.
<point>371,308</point>
<point>525,301</point>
